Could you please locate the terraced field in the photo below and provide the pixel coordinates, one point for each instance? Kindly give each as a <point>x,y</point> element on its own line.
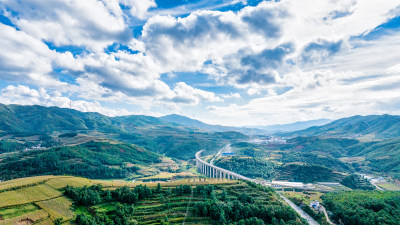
<point>39,200</point>
<point>35,200</point>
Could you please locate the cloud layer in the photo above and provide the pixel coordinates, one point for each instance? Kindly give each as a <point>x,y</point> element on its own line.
<point>275,62</point>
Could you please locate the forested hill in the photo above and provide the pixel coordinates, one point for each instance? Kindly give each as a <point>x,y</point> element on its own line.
<point>99,160</point>
<point>379,126</point>
<point>39,119</point>
<point>149,132</point>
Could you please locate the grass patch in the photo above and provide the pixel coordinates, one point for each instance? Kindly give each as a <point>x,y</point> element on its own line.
<point>34,217</point>
<point>58,207</point>
<point>27,195</point>
<point>59,183</point>
<point>389,186</point>
<point>22,182</point>
<point>8,213</point>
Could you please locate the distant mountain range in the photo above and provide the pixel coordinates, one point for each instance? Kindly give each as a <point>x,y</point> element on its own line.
<point>375,126</point>
<point>294,126</point>
<point>279,128</point>
<point>186,121</point>
<point>39,119</point>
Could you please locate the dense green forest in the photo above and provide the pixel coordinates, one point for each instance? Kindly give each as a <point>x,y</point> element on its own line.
<point>261,168</point>
<point>335,147</point>
<point>249,167</point>
<point>316,159</point>
<point>242,203</point>
<point>355,181</point>
<point>11,146</point>
<point>91,160</point>
<point>364,207</point>
<point>306,173</point>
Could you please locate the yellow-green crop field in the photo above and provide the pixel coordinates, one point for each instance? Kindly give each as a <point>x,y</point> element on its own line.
<point>28,194</point>
<point>38,200</point>
<point>33,217</point>
<point>305,196</point>
<point>23,182</point>
<point>389,186</point>
<point>57,208</point>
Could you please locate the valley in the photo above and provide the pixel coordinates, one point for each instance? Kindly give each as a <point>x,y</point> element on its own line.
<point>99,156</point>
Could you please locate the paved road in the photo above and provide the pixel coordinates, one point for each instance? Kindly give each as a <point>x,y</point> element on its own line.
<point>226,147</point>
<point>303,214</point>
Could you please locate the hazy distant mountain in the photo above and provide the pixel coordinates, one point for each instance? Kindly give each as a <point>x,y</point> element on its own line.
<point>186,121</point>
<point>294,126</point>
<point>379,126</point>
<point>183,120</point>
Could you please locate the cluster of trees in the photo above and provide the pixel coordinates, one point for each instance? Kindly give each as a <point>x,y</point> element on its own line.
<point>91,160</point>
<point>250,167</point>
<point>336,147</point>
<point>47,141</point>
<point>355,181</point>
<point>120,216</point>
<point>364,207</point>
<point>10,146</point>
<point>68,135</point>
<point>306,173</point>
<point>241,209</point>
<point>94,195</point>
<point>316,159</point>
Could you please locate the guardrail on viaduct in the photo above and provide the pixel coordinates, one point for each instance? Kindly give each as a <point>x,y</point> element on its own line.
<point>216,172</point>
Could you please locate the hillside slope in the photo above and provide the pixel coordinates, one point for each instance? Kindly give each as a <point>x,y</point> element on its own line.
<point>99,160</point>
<point>39,119</point>
<point>186,121</point>
<point>290,127</point>
<point>378,126</point>
<point>149,132</point>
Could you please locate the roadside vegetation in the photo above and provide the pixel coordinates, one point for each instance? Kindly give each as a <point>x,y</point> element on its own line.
<point>364,207</point>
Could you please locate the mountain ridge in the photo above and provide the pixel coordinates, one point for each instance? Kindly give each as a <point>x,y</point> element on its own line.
<point>376,126</point>
<point>270,129</point>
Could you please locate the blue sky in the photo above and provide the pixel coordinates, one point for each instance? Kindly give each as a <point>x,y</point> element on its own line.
<point>227,62</point>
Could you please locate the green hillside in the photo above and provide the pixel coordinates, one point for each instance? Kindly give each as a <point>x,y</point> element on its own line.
<point>377,156</point>
<point>338,154</point>
<point>186,121</point>
<point>92,160</point>
<point>149,132</point>
<point>249,167</point>
<point>379,126</point>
